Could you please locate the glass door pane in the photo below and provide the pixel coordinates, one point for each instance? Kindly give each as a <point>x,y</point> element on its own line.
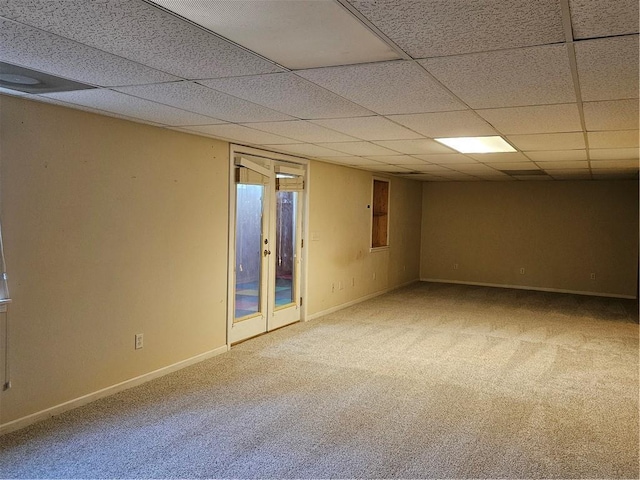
<point>249,265</point>
<point>285,271</point>
<point>287,225</point>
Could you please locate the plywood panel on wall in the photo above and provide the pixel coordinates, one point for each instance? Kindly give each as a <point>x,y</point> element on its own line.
<point>560,233</point>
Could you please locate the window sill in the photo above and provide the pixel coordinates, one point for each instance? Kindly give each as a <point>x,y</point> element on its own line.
<point>378,249</point>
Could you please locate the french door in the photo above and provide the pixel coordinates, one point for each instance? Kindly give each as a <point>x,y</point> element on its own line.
<point>265,268</point>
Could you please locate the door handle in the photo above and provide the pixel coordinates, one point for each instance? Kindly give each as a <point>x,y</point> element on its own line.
<point>267,252</point>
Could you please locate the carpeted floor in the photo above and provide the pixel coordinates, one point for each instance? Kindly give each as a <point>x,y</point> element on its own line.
<point>432,380</point>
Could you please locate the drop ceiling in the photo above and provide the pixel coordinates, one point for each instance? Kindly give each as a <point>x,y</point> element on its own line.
<point>356,82</point>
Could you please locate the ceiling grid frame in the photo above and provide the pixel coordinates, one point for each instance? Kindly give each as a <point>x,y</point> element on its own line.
<point>573,64</point>
<point>611,134</point>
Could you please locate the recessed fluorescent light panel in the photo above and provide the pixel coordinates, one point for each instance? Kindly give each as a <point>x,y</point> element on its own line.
<point>295,34</point>
<point>25,80</point>
<point>477,144</point>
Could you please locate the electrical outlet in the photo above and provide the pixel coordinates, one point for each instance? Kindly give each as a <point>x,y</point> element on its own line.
<point>340,285</point>
<point>353,281</point>
<point>333,287</point>
<point>455,266</point>
<point>522,271</point>
<point>593,276</point>
<point>374,275</point>
<point>139,341</point>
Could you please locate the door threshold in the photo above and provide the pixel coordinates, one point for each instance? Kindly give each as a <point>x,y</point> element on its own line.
<point>234,344</point>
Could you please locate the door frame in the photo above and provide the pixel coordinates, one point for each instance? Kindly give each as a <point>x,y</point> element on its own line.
<point>235,150</point>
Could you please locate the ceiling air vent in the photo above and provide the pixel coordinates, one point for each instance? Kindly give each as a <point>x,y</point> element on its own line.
<point>13,77</point>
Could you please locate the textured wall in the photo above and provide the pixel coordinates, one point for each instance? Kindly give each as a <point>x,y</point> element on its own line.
<point>559,232</point>
<point>111,228</point>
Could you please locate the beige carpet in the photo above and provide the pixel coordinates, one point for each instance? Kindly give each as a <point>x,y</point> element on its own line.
<point>430,381</point>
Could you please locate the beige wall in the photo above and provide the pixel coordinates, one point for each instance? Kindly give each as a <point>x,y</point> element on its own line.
<point>111,228</point>
<point>340,236</point>
<point>114,228</point>
<point>559,232</point>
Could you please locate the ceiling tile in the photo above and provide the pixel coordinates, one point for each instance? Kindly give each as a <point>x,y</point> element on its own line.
<point>499,157</point>
<point>413,147</point>
<point>336,161</point>
<point>425,167</point>
<point>526,76</point>
<point>387,168</point>
<point>548,141</point>
<point>33,48</point>
<point>537,119</point>
<point>564,165</point>
<point>300,34</point>
<point>140,32</point>
<point>437,179</point>
<point>310,150</point>
<point>197,98</point>
<point>358,148</point>
<point>557,155</point>
<point>608,68</point>
<point>455,176</point>
<point>613,139</point>
<point>613,153</point>
<point>515,166</point>
<point>568,171</point>
<point>238,133</point>
<point>285,92</point>
<point>350,160</point>
<point>394,159</point>
<point>369,128</point>
<point>603,18</point>
<point>446,124</point>
<point>134,107</point>
<point>493,175</point>
<point>498,178</point>
<point>445,159</point>
<point>450,27</point>
<point>385,88</point>
<point>474,168</point>
<point>75,106</point>
<point>535,178</point>
<point>615,164</point>
<point>302,131</point>
<point>423,177</point>
<point>612,115</point>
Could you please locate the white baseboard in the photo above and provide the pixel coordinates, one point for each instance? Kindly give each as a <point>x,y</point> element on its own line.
<point>357,300</point>
<point>524,287</point>
<point>132,382</point>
